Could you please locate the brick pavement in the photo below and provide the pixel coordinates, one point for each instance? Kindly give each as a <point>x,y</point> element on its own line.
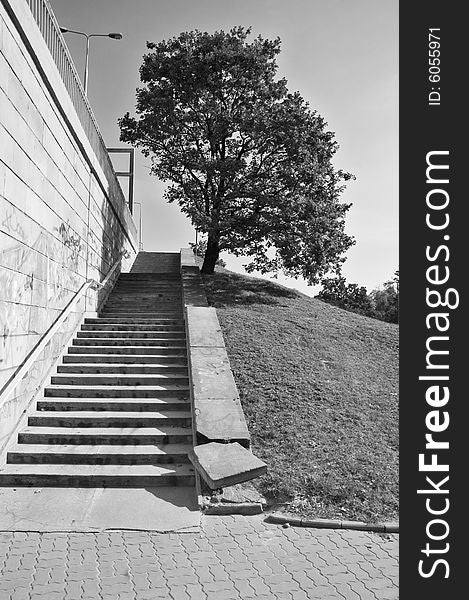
<point>232,557</point>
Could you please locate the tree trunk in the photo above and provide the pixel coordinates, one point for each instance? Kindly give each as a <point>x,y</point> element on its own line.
<point>211,255</point>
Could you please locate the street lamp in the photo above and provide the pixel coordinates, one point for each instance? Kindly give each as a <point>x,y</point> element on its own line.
<point>114,36</point>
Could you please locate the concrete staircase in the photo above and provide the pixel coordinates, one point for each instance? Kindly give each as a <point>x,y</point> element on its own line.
<point>117,412</point>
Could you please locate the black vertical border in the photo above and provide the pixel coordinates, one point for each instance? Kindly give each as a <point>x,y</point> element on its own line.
<point>425,128</point>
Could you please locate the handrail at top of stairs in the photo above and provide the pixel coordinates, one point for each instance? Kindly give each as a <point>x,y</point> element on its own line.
<point>21,371</point>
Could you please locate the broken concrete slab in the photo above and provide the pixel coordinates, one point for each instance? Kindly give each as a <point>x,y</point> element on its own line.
<point>222,465</point>
<point>221,420</point>
<point>241,493</point>
<point>218,412</point>
<point>243,508</point>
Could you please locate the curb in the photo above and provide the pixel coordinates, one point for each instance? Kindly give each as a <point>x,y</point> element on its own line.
<point>391,527</point>
<point>231,508</point>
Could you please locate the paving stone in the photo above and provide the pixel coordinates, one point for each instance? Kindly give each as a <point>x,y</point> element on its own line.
<point>219,572</point>
<point>50,595</point>
<point>308,579</point>
<point>7,585</point>
<point>179,593</point>
<point>378,584</point>
<point>240,565</point>
<point>224,595</point>
<point>155,593</point>
<point>231,558</point>
<point>145,594</point>
<point>181,581</point>
<point>156,579</point>
<point>244,588</point>
<point>387,594</point>
<point>20,594</point>
<point>346,591</point>
<point>284,587</point>
<point>48,589</point>
<point>41,577</point>
<point>362,592</point>
<point>296,594</point>
<point>91,588</point>
<point>218,586</point>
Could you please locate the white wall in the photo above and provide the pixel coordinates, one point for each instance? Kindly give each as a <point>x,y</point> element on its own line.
<point>62,220</point>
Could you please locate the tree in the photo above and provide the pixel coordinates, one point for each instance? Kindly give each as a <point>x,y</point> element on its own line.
<point>382,303</point>
<point>386,300</point>
<point>247,161</point>
<point>349,296</point>
<point>200,249</point>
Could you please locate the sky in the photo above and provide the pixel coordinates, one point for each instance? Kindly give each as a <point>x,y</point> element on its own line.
<point>341,55</point>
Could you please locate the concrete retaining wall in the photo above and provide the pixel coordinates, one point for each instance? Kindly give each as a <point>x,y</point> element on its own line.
<point>63,219</point>
<point>218,415</point>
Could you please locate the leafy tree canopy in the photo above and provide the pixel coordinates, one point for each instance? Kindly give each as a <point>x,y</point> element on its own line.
<point>350,296</point>
<point>381,303</point>
<point>247,161</point>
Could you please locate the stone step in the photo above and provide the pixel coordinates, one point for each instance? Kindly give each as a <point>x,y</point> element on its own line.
<point>145,290</point>
<point>139,379</point>
<point>96,475</point>
<point>129,436</point>
<point>130,369</point>
<point>160,327</point>
<point>129,359</point>
<point>116,391</point>
<point>177,418</point>
<point>169,351</point>
<point>146,294</point>
<point>138,302</point>
<point>152,308</point>
<point>140,305</point>
<point>174,281</point>
<point>134,321</point>
<point>141,308</point>
<point>160,342</point>
<point>114,404</point>
<point>149,281</point>
<point>98,455</point>
<point>152,334</point>
<point>125,315</point>
<point>142,276</point>
<point>151,284</point>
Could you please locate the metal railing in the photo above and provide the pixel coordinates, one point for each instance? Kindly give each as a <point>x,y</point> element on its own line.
<point>50,30</point>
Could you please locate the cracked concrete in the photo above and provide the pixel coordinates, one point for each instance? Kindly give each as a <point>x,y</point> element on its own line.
<point>158,509</point>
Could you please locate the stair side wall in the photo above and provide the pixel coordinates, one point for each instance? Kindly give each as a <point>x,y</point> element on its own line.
<point>63,217</point>
<point>218,414</point>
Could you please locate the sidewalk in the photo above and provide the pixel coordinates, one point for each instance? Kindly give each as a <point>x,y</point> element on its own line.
<point>231,557</point>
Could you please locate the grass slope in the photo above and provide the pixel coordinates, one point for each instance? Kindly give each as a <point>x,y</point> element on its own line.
<point>319,389</point>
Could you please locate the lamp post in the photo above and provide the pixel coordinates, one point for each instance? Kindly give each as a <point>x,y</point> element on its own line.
<point>114,36</point>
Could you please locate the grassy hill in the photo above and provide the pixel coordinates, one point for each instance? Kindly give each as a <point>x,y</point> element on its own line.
<point>319,389</point>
